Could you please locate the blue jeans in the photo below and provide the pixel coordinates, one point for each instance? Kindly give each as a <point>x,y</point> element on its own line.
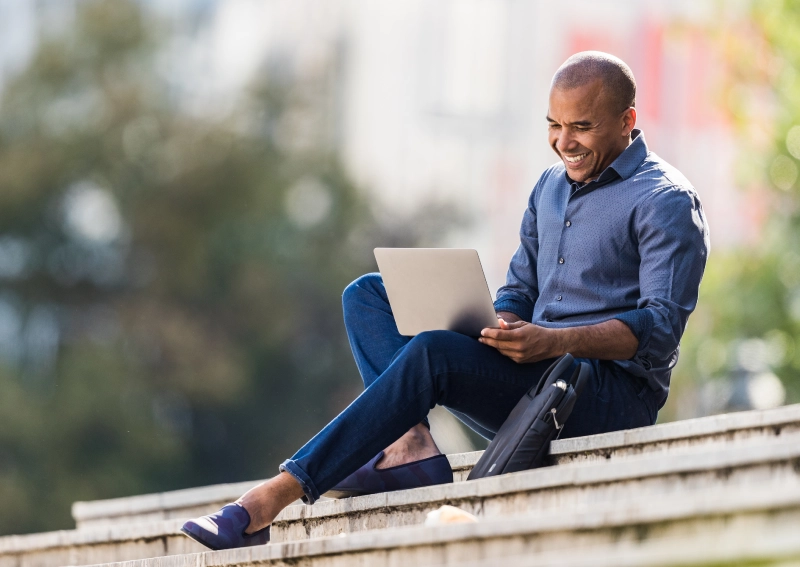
<point>405,377</point>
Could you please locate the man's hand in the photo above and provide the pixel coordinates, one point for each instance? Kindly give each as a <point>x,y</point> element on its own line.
<point>524,342</point>
<point>521,341</point>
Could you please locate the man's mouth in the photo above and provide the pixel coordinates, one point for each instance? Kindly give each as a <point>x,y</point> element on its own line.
<point>575,159</point>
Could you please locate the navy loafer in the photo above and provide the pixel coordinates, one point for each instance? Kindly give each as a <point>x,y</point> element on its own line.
<point>225,529</point>
<point>370,480</point>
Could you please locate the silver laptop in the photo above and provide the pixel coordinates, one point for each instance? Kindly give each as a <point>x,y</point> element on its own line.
<point>432,289</point>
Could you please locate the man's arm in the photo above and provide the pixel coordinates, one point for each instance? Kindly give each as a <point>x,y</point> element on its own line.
<point>517,297</point>
<point>673,245</point>
<point>525,342</point>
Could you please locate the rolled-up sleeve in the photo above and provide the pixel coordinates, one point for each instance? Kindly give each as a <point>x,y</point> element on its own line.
<point>521,289</point>
<point>673,242</point>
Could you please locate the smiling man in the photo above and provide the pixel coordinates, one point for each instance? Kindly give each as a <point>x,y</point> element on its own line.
<point>612,248</point>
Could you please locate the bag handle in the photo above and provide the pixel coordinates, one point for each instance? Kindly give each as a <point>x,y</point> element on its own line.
<point>580,377</point>
<point>560,367</point>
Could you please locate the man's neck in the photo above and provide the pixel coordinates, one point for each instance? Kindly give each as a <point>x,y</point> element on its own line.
<point>621,151</point>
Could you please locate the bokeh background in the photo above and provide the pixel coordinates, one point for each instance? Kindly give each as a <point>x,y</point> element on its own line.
<point>186,186</point>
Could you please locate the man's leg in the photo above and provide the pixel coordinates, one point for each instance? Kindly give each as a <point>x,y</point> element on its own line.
<point>457,372</point>
<point>612,401</point>
<point>436,367</point>
<point>375,341</point>
<point>371,329</point>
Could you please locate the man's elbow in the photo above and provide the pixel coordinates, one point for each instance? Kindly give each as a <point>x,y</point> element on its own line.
<point>627,341</point>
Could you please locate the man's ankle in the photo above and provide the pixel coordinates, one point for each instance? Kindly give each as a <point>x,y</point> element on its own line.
<point>265,501</point>
<point>415,445</point>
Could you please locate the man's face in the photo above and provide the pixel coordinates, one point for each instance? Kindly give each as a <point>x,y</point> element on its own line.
<point>585,131</point>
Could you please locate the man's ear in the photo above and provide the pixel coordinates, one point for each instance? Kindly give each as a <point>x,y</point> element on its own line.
<point>628,121</point>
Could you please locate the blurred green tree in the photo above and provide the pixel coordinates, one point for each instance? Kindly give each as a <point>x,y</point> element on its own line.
<point>748,317</point>
<point>170,282</point>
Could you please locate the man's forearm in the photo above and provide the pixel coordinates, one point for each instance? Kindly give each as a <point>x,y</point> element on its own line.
<point>610,340</point>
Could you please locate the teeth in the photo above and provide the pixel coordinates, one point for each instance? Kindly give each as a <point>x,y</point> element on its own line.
<point>573,159</point>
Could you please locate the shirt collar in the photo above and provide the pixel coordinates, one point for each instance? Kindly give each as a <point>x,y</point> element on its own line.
<point>626,163</point>
<point>632,157</point>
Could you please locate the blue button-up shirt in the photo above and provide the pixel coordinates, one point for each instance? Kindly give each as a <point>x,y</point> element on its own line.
<point>631,245</point>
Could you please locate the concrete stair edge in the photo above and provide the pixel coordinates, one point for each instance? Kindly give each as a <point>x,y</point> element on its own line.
<point>573,474</point>
<point>637,513</point>
<point>145,503</point>
<point>686,429</point>
<point>774,552</point>
<point>683,429</point>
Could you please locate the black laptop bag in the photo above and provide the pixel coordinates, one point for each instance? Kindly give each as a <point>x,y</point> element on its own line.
<point>524,438</point>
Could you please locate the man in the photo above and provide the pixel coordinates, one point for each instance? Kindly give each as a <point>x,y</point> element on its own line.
<point>612,249</point>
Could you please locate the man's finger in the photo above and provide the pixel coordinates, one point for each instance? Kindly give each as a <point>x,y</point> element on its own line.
<point>498,334</point>
<point>505,325</point>
<point>503,346</point>
<point>499,345</point>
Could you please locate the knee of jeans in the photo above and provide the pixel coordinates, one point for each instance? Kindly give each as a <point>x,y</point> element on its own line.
<point>429,341</point>
<point>429,351</point>
<point>365,282</point>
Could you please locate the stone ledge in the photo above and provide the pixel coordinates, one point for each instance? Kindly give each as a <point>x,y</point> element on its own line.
<point>686,429</point>
<point>71,538</point>
<point>687,461</point>
<point>768,550</point>
<point>635,514</point>
<point>152,507</point>
<point>146,503</point>
<point>578,474</point>
<point>462,461</point>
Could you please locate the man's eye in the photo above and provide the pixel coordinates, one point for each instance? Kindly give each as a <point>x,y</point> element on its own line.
<point>555,126</point>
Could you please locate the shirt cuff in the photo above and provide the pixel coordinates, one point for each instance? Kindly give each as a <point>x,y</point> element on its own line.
<point>519,308</point>
<point>640,322</point>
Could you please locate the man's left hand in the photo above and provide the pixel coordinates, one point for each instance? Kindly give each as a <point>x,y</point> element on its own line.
<point>522,341</point>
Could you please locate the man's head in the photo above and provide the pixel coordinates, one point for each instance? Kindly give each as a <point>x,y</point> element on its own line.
<point>591,113</point>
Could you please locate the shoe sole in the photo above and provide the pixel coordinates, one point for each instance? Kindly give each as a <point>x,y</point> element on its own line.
<point>201,542</point>
<point>339,494</point>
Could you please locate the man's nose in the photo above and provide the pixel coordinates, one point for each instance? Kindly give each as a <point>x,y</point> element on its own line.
<point>565,141</point>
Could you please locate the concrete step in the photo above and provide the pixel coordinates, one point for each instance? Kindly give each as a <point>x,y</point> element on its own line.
<point>680,477</point>
<point>743,527</point>
<point>96,545</point>
<point>679,473</point>
<point>715,430</point>
<point>720,430</point>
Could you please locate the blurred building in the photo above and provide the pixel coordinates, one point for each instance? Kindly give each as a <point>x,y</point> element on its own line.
<point>445,100</point>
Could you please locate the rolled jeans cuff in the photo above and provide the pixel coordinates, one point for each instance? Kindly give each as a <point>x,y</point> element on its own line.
<point>310,491</point>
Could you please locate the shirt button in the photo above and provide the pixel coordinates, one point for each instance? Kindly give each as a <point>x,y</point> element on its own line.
<point>561,260</point>
<point>568,223</point>
<point>558,298</point>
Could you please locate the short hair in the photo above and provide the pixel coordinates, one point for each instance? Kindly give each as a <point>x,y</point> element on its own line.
<point>587,66</point>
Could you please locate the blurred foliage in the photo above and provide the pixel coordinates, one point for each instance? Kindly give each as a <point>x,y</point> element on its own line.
<point>749,308</point>
<point>170,281</point>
